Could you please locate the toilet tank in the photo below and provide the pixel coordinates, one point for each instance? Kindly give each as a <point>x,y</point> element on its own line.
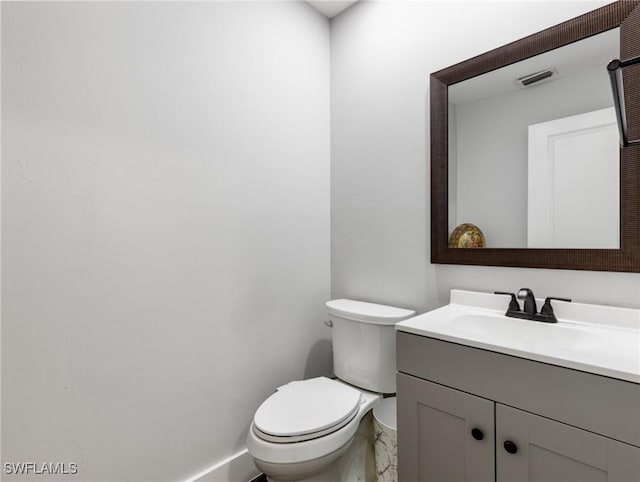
<point>364,343</point>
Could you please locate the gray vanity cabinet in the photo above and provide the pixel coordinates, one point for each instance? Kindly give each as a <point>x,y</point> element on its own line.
<point>533,422</point>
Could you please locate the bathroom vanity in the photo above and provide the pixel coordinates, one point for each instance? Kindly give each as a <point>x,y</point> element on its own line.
<point>482,397</point>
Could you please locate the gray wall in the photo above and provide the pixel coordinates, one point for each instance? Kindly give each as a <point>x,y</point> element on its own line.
<point>165,221</point>
<point>381,56</point>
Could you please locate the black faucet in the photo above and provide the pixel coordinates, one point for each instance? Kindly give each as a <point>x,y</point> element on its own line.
<point>530,310</point>
<point>530,307</point>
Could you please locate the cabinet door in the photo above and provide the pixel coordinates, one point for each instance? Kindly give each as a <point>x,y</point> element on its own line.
<point>435,438</point>
<point>548,451</point>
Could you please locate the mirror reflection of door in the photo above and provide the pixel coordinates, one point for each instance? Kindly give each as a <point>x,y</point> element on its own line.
<point>573,187</point>
<point>573,182</point>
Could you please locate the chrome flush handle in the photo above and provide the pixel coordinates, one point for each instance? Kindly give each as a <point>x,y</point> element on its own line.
<point>329,323</point>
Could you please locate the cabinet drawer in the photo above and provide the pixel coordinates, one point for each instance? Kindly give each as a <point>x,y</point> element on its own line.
<point>599,404</point>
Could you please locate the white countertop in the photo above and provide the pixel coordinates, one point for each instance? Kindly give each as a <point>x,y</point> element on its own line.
<point>598,339</point>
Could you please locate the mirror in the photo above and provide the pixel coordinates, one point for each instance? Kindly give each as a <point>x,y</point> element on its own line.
<point>525,146</point>
<point>543,173</point>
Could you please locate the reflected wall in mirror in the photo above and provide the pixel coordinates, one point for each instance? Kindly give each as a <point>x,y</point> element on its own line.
<point>535,164</point>
<point>525,145</point>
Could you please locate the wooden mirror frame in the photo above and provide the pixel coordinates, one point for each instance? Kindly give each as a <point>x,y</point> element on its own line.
<point>623,14</point>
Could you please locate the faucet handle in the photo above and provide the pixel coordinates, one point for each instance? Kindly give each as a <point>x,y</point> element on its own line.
<point>547,309</point>
<point>513,304</point>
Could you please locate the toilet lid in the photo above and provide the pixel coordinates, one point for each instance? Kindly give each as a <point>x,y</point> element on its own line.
<point>306,409</point>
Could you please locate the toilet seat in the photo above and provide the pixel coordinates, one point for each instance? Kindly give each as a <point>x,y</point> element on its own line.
<point>306,410</point>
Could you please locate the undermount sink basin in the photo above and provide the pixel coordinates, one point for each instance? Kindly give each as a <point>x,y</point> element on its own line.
<point>597,339</point>
<point>528,334</point>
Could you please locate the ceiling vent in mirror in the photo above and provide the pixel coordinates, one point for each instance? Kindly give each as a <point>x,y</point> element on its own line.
<point>537,77</point>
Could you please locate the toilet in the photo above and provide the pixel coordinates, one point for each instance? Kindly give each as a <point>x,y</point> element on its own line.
<point>320,429</point>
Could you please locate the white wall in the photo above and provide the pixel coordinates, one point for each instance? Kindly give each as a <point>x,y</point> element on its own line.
<point>165,194</point>
<point>381,56</point>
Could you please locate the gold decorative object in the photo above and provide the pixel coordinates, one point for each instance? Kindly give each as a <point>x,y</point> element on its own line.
<point>467,235</point>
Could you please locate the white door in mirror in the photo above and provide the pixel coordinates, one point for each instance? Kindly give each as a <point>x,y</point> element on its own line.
<point>573,182</point>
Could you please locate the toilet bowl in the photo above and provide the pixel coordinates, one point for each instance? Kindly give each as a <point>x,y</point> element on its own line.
<point>287,449</point>
<point>320,429</point>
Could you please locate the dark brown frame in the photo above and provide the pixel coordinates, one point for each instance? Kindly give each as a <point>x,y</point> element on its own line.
<point>624,14</point>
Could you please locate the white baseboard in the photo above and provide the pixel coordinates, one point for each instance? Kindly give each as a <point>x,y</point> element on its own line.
<point>237,468</point>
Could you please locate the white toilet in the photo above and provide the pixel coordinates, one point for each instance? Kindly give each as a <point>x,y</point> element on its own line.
<point>306,429</point>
